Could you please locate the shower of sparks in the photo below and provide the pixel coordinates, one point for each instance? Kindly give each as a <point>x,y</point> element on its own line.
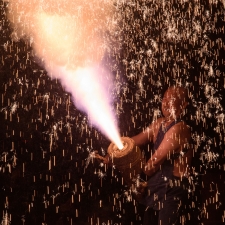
<point>68,47</point>
<point>46,144</point>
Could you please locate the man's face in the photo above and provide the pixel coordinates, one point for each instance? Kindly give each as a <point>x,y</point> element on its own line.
<point>171,104</point>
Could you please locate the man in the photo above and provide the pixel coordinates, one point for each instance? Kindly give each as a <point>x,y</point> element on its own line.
<point>169,165</point>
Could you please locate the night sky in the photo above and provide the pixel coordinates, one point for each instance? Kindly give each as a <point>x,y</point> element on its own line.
<point>47,175</point>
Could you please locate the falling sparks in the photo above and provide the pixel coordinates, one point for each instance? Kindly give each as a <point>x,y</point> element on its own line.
<point>62,35</point>
<point>143,46</point>
<point>5,220</point>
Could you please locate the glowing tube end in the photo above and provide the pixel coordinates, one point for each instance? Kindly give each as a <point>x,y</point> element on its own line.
<point>120,147</point>
<point>119,144</point>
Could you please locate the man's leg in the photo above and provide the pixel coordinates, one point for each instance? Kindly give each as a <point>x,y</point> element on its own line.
<point>169,214</point>
<point>170,211</point>
<point>150,217</point>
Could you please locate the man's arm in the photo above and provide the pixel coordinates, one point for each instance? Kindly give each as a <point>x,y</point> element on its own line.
<point>173,141</point>
<point>148,134</point>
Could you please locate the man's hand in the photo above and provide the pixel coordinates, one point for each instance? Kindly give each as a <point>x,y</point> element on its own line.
<point>140,191</point>
<point>105,159</point>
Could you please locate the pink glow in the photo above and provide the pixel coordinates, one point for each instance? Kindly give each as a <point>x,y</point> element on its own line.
<point>65,35</point>
<point>91,96</point>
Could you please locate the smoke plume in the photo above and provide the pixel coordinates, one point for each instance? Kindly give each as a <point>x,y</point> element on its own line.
<point>69,38</point>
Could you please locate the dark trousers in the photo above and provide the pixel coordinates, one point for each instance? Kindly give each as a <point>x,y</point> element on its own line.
<point>169,214</point>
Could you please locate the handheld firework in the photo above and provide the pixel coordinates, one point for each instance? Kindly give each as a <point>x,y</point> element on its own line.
<point>128,160</point>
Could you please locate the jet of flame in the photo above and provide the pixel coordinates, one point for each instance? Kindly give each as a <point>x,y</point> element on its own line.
<point>68,36</point>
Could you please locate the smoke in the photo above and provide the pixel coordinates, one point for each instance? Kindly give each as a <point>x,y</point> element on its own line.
<point>63,32</point>
<point>69,38</point>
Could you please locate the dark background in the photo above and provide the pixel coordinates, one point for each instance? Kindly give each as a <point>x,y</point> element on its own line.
<point>44,178</point>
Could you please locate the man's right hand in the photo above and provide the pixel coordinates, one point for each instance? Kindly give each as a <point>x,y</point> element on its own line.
<point>105,159</point>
